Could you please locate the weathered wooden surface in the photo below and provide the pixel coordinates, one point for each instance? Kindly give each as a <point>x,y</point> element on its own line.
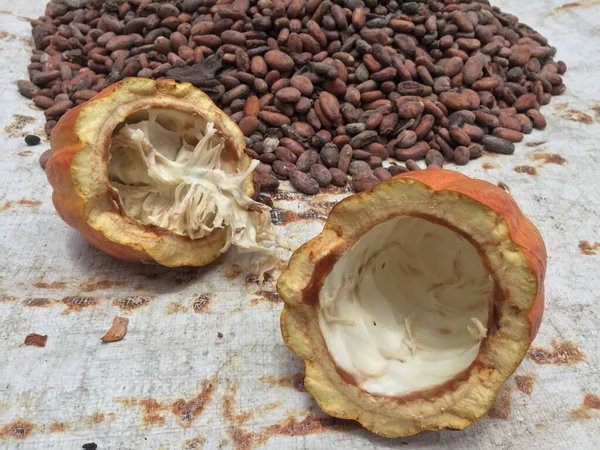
<point>174,383</point>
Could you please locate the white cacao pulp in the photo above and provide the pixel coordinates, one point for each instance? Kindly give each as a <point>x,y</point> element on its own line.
<point>167,167</point>
<point>405,309</point>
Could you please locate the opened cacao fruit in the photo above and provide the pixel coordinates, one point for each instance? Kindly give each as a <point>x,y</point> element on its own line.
<point>416,303</point>
<point>155,172</point>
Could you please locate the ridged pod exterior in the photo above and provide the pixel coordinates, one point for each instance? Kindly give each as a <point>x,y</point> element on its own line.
<point>78,172</point>
<point>509,245</point>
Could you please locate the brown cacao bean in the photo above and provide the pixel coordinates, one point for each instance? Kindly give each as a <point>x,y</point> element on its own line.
<point>304,183</point>
<point>321,174</point>
<point>508,134</point>
<point>462,155</point>
<point>498,145</point>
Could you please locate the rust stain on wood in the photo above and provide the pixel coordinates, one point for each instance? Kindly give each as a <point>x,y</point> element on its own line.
<point>7,298</point>
<point>590,402</point>
<point>19,429</point>
<point>535,143</point>
<point>29,203</point>
<point>526,169</point>
<point>549,158</point>
<point>502,406</point>
<point>186,412</point>
<point>85,422</point>
<point>38,302</point>
<point>175,307</point>
<point>576,5</point>
<point>235,272</point>
<point>23,202</point>
<point>98,285</point>
<point>152,412</point>
<point>57,427</point>
<point>231,412</point>
<point>489,166</point>
<point>253,279</point>
<point>37,340</point>
<point>194,444</point>
<point>201,302</point>
<point>97,418</point>
<point>296,381</point>
<point>271,297</point>
<point>568,5</point>
<point>132,302</point>
<point>229,407</point>
<point>15,128</point>
<point>564,353</point>
<point>9,13</point>
<point>76,304</point>
<point>585,248</point>
<point>577,116</point>
<point>311,424</point>
<point>55,285</point>
<point>243,440</point>
<point>187,274</point>
<point>6,36</point>
<point>525,383</point>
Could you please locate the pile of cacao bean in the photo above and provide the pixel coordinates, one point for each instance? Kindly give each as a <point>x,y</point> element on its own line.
<point>321,89</point>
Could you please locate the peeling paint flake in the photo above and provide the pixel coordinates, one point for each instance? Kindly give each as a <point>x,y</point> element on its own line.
<point>117,331</point>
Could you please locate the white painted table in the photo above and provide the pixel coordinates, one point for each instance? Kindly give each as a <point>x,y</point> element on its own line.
<point>172,383</point>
